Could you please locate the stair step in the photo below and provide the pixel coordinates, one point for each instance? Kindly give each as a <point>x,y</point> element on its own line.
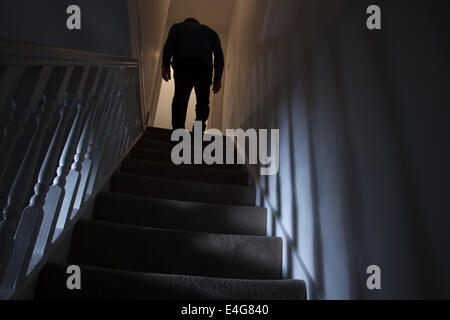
<point>129,248</point>
<point>180,215</point>
<point>157,136</point>
<point>170,171</point>
<point>183,190</point>
<point>161,131</point>
<point>167,137</point>
<point>155,145</point>
<point>162,145</point>
<point>165,146</point>
<point>108,284</point>
<point>165,156</point>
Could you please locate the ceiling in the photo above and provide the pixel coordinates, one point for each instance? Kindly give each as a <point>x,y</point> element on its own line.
<point>214,13</point>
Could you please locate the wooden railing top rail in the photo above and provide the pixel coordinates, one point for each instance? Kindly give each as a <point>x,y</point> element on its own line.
<point>16,52</point>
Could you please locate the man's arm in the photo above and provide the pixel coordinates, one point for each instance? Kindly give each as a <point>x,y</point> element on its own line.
<point>169,48</point>
<point>218,62</point>
<point>218,57</point>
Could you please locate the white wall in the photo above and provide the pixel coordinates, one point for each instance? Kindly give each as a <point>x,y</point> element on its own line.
<point>148,18</point>
<point>363,119</point>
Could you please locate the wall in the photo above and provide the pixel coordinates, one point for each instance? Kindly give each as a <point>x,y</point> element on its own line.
<point>149,21</point>
<point>363,118</point>
<point>105,26</point>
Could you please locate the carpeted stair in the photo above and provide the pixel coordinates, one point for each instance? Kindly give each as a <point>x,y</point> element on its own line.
<point>173,232</point>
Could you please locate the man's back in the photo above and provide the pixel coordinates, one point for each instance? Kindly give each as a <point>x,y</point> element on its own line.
<point>188,41</point>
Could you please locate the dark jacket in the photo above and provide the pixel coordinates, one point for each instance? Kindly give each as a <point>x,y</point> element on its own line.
<point>187,41</point>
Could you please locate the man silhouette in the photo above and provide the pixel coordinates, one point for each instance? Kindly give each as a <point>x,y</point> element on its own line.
<point>189,48</point>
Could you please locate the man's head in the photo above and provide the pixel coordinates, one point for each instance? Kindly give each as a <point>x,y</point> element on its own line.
<point>191,20</point>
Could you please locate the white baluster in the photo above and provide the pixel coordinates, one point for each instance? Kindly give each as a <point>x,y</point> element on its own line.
<point>117,128</point>
<point>53,195</point>
<point>107,146</point>
<point>114,98</point>
<point>74,176</point>
<point>8,87</point>
<point>17,225</point>
<point>88,164</point>
<point>61,184</point>
<point>40,237</point>
<point>125,127</point>
<point>30,93</point>
<point>84,151</point>
<point>113,135</point>
<point>96,143</point>
<point>70,82</point>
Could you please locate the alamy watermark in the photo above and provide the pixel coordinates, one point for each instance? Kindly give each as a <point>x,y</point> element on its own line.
<point>374,20</point>
<point>73,281</point>
<point>258,152</point>
<point>73,22</point>
<point>374,280</point>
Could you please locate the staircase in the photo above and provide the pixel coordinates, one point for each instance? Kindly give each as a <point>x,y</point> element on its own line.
<point>173,232</point>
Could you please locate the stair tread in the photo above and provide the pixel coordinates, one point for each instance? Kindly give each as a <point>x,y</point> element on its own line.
<point>132,248</point>
<point>180,215</point>
<point>99,283</point>
<point>165,157</point>
<point>183,190</point>
<point>167,145</point>
<point>174,232</point>
<point>191,173</point>
<point>159,130</point>
<point>168,135</point>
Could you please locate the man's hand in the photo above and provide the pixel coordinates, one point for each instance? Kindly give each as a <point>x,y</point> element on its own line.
<point>166,73</point>
<point>217,86</point>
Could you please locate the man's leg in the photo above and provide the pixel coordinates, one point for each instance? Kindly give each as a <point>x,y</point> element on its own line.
<point>202,91</point>
<point>183,89</point>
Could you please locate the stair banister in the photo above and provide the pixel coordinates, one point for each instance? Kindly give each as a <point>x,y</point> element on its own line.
<point>99,143</point>
<point>114,134</point>
<point>57,108</point>
<point>50,163</point>
<point>8,84</point>
<point>108,157</point>
<point>16,200</point>
<point>109,126</point>
<point>22,104</point>
<point>67,114</point>
<point>93,137</point>
<point>65,162</point>
<point>72,178</point>
<point>80,156</point>
<point>40,236</point>
<point>80,149</point>
<point>126,123</point>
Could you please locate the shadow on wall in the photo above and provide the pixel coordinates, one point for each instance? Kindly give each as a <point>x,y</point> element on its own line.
<point>353,189</point>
